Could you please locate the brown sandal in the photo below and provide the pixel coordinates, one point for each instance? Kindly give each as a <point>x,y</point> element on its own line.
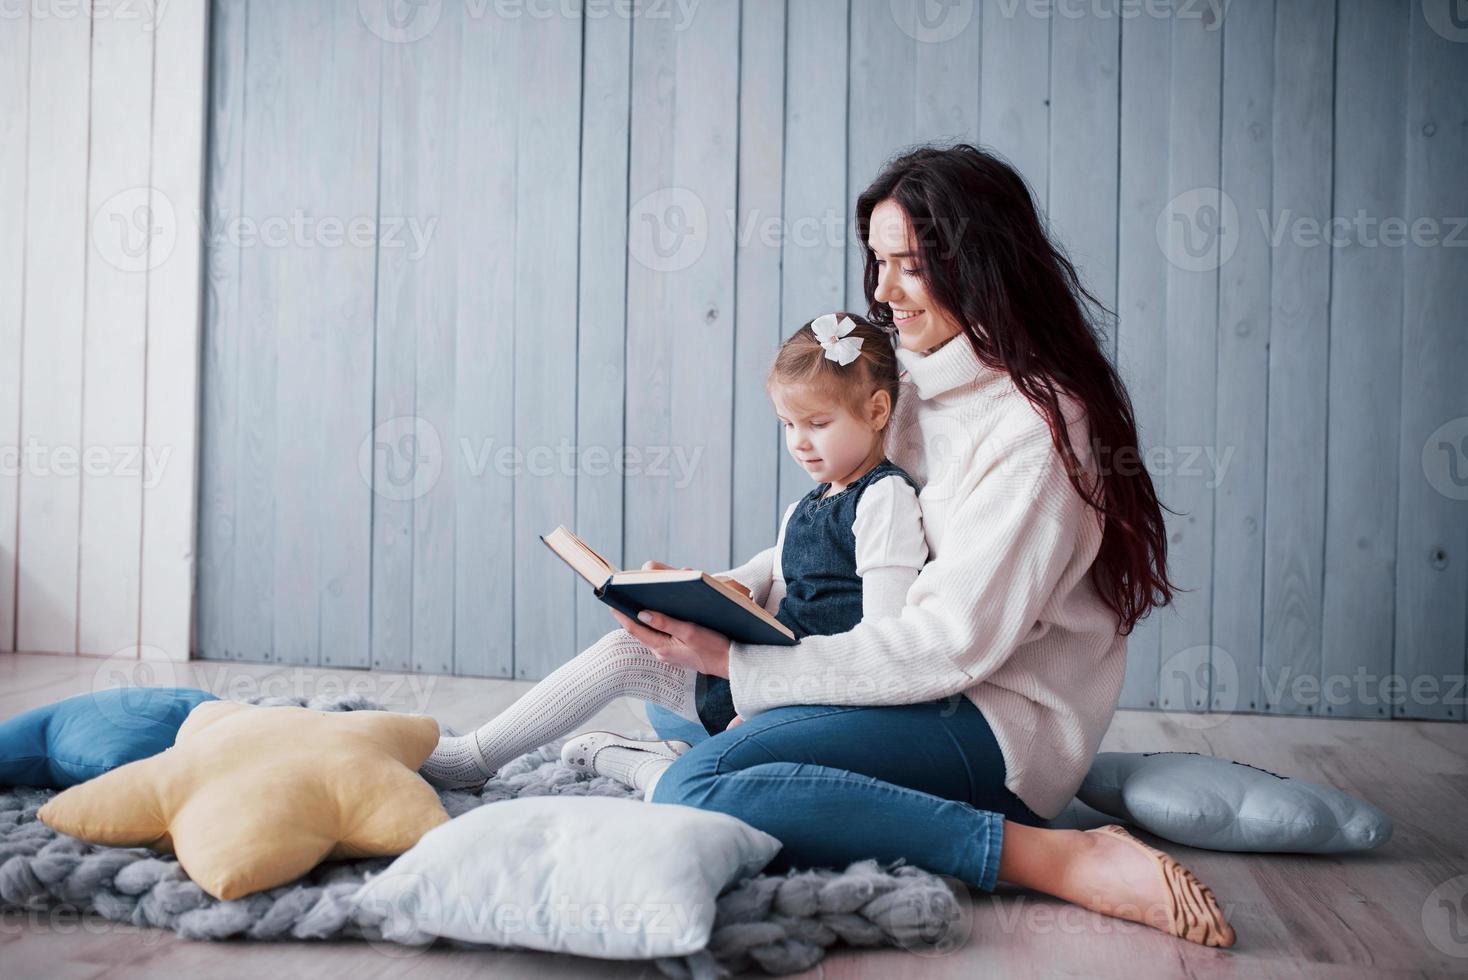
<point>1193,913</point>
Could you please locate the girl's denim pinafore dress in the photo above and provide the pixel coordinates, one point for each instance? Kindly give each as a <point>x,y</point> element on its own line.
<point>822,589</point>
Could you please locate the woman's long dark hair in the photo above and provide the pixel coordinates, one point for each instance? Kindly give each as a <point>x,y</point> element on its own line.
<point>987,259</point>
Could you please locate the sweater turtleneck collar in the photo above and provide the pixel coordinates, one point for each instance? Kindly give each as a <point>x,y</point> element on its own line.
<point>951,364</point>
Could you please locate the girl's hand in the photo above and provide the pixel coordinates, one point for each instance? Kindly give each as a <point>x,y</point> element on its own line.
<point>650,565</point>
<point>677,641</point>
<point>738,720</point>
<point>737,585</point>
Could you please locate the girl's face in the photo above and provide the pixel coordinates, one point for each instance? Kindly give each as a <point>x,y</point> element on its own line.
<point>921,323</point>
<point>825,437</point>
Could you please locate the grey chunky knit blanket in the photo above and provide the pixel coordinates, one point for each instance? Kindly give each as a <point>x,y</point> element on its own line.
<point>777,923</point>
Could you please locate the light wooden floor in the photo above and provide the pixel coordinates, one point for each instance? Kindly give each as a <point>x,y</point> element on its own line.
<point>1296,916</point>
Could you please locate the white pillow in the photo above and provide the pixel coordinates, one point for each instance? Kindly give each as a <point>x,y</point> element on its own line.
<point>590,875</point>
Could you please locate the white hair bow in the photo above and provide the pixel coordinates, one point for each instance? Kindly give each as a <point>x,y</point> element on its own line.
<point>831,331</point>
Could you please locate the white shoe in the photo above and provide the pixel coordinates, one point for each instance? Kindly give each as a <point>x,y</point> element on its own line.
<point>580,751</point>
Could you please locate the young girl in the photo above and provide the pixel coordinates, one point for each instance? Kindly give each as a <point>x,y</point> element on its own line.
<point>846,551</point>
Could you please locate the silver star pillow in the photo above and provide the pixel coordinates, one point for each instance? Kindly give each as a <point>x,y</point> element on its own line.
<point>1221,805</point>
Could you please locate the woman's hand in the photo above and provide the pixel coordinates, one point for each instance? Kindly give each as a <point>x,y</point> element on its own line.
<point>677,641</point>
<point>737,585</point>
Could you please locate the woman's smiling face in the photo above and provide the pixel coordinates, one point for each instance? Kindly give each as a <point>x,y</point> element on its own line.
<point>921,322</point>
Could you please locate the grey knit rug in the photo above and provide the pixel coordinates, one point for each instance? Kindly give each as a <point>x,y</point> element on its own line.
<point>778,923</point>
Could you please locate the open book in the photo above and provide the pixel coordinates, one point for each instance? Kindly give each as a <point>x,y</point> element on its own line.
<point>694,596</point>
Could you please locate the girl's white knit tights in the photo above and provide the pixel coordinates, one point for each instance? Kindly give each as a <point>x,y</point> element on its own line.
<point>617,665</point>
<point>631,767</point>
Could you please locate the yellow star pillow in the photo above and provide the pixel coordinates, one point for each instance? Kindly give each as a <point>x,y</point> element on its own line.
<point>252,797</point>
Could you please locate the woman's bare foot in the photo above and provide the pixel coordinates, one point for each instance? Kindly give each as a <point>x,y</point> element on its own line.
<point>1111,872</point>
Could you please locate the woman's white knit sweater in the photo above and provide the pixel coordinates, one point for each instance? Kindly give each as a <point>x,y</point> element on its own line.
<point>1005,610</point>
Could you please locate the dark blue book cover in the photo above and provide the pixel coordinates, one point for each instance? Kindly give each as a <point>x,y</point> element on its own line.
<point>692,596</point>
<point>697,601</point>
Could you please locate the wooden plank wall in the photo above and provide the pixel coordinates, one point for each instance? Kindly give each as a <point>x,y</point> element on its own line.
<point>608,223</point>
<point>102,122</point>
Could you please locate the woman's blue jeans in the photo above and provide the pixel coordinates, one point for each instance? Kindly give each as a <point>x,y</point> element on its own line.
<point>923,782</point>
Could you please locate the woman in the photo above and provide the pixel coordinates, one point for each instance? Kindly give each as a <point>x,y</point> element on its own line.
<point>948,734</point>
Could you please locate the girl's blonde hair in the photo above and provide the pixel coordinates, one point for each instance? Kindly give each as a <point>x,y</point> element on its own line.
<point>802,361</point>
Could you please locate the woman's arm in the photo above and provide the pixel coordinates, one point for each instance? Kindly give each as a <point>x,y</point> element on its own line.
<point>1018,530</point>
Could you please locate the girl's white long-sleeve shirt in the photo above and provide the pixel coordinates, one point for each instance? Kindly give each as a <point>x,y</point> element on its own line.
<point>1005,611</point>
<point>890,550</point>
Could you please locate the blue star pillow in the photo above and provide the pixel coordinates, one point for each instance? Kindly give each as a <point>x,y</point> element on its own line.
<point>71,741</point>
